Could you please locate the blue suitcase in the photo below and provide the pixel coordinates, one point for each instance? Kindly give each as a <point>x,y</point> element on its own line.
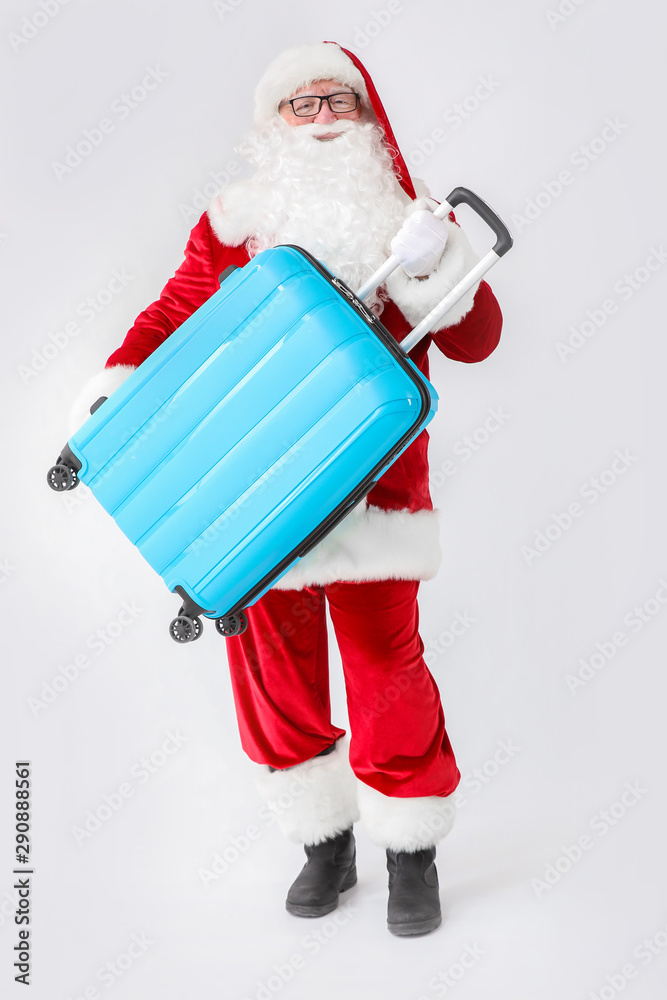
<point>255,428</point>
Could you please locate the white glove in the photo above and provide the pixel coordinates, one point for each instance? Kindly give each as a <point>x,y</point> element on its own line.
<point>419,243</point>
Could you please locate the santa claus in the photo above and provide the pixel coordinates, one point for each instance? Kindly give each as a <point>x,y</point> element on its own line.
<point>329,177</point>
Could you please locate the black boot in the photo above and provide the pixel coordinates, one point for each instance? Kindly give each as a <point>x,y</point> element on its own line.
<point>414,897</point>
<point>330,869</point>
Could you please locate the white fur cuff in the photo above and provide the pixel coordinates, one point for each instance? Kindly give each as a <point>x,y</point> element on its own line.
<point>405,824</point>
<point>315,800</point>
<point>415,298</point>
<point>371,544</point>
<point>102,384</point>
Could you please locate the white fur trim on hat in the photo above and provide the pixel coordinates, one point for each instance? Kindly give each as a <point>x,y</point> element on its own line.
<point>405,824</point>
<point>102,384</point>
<point>315,800</point>
<point>296,67</point>
<point>416,297</point>
<point>371,544</point>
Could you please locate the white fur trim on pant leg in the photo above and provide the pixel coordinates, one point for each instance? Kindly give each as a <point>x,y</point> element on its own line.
<point>102,384</point>
<point>416,297</point>
<point>315,800</point>
<point>400,824</point>
<point>371,544</point>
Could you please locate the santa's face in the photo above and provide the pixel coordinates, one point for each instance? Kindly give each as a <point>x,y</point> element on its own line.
<point>325,116</point>
<point>341,199</point>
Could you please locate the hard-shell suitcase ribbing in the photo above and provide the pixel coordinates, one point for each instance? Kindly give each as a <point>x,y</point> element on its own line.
<point>251,432</point>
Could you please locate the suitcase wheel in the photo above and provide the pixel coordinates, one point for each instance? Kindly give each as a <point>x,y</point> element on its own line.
<point>61,477</point>
<point>232,624</point>
<point>185,629</point>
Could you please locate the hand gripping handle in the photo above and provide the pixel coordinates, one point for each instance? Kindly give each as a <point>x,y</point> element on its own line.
<point>459,196</point>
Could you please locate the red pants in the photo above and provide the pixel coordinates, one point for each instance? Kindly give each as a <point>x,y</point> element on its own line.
<point>280,678</point>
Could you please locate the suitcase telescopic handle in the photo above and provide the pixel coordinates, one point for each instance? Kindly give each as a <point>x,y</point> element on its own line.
<point>464,196</point>
<point>458,196</point>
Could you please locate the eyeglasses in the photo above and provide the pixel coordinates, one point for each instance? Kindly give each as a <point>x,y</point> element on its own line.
<point>339,104</point>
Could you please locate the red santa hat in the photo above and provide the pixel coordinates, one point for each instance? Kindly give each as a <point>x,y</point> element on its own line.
<point>297,67</point>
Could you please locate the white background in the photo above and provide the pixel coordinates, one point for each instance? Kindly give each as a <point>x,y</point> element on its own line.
<point>67,571</point>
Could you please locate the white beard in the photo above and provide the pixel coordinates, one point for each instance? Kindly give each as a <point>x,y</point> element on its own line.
<point>338,198</point>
